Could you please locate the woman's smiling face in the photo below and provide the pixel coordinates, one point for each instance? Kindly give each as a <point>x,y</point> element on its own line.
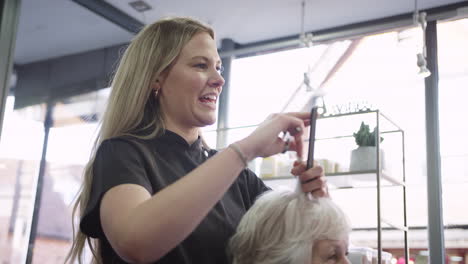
<point>190,89</point>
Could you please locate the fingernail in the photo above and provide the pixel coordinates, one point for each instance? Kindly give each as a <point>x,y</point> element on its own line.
<point>298,129</point>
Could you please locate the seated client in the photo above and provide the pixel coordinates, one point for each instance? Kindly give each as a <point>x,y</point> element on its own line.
<point>287,227</point>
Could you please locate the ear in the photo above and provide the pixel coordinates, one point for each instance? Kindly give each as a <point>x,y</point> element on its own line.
<point>156,85</point>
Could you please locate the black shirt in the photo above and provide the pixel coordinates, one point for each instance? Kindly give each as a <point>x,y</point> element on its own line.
<point>154,164</point>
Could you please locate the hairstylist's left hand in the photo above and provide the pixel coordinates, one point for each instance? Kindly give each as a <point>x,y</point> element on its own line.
<point>312,180</point>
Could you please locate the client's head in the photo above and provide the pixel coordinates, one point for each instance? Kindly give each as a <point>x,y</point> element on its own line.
<point>286,227</point>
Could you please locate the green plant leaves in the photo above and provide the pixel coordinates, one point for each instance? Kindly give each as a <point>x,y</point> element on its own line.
<point>364,137</point>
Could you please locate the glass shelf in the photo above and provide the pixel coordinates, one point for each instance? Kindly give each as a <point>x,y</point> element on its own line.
<point>388,223</point>
<point>336,152</point>
<point>342,180</point>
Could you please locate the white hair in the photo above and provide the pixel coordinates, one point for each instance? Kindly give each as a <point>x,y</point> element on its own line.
<point>282,226</point>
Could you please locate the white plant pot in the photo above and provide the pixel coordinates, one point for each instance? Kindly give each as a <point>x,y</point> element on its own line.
<point>365,158</point>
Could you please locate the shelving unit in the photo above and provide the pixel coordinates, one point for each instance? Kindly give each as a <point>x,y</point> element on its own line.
<point>343,180</point>
<point>334,135</point>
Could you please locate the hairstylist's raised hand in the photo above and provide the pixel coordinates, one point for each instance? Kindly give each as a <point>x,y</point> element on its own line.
<point>266,141</point>
<point>312,180</point>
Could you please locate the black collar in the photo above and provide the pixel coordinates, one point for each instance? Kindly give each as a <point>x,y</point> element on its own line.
<point>172,139</point>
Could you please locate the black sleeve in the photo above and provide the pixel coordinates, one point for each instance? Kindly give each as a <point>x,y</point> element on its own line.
<point>117,162</point>
<point>255,185</point>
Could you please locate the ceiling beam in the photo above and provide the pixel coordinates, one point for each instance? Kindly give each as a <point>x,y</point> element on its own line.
<point>113,14</point>
<point>351,31</point>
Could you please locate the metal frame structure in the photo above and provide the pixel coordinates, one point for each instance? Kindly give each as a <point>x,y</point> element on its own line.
<point>405,228</point>
<point>113,14</point>
<point>351,31</point>
<point>378,175</point>
<point>223,106</point>
<point>9,17</point>
<point>48,123</point>
<point>434,182</point>
<point>378,172</point>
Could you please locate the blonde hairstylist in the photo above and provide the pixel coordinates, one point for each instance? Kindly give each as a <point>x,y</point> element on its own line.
<point>152,191</point>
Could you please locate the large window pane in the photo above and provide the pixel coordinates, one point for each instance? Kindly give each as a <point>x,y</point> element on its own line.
<point>453,91</point>
<point>379,72</point>
<point>70,142</point>
<point>271,80</point>
<point>20,153</point>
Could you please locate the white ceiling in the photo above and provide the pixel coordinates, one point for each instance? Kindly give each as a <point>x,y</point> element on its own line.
<point>54,28</point>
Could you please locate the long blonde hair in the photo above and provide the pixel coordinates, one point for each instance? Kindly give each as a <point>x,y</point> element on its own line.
<point>132,107</point>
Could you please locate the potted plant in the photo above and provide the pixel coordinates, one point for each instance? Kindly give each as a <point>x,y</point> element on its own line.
<point>365,156</point>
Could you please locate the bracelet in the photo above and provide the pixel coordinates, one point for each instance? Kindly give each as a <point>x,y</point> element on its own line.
<point>239,153</point>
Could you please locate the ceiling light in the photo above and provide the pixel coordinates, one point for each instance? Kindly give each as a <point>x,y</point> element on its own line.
<point>140,6</point>
<point>420,20</point>
<point>421,57</point>
<point>304,39</point>
<point>422,64</point>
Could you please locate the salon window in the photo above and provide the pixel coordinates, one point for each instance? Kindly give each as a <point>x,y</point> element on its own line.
<point>20,154</point>
<point>271,83</point>
<point>74,127</point>
<point>380,71</point>
<point>453,92</point>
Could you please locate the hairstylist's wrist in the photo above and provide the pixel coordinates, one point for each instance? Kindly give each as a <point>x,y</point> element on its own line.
<point>246,149</point>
